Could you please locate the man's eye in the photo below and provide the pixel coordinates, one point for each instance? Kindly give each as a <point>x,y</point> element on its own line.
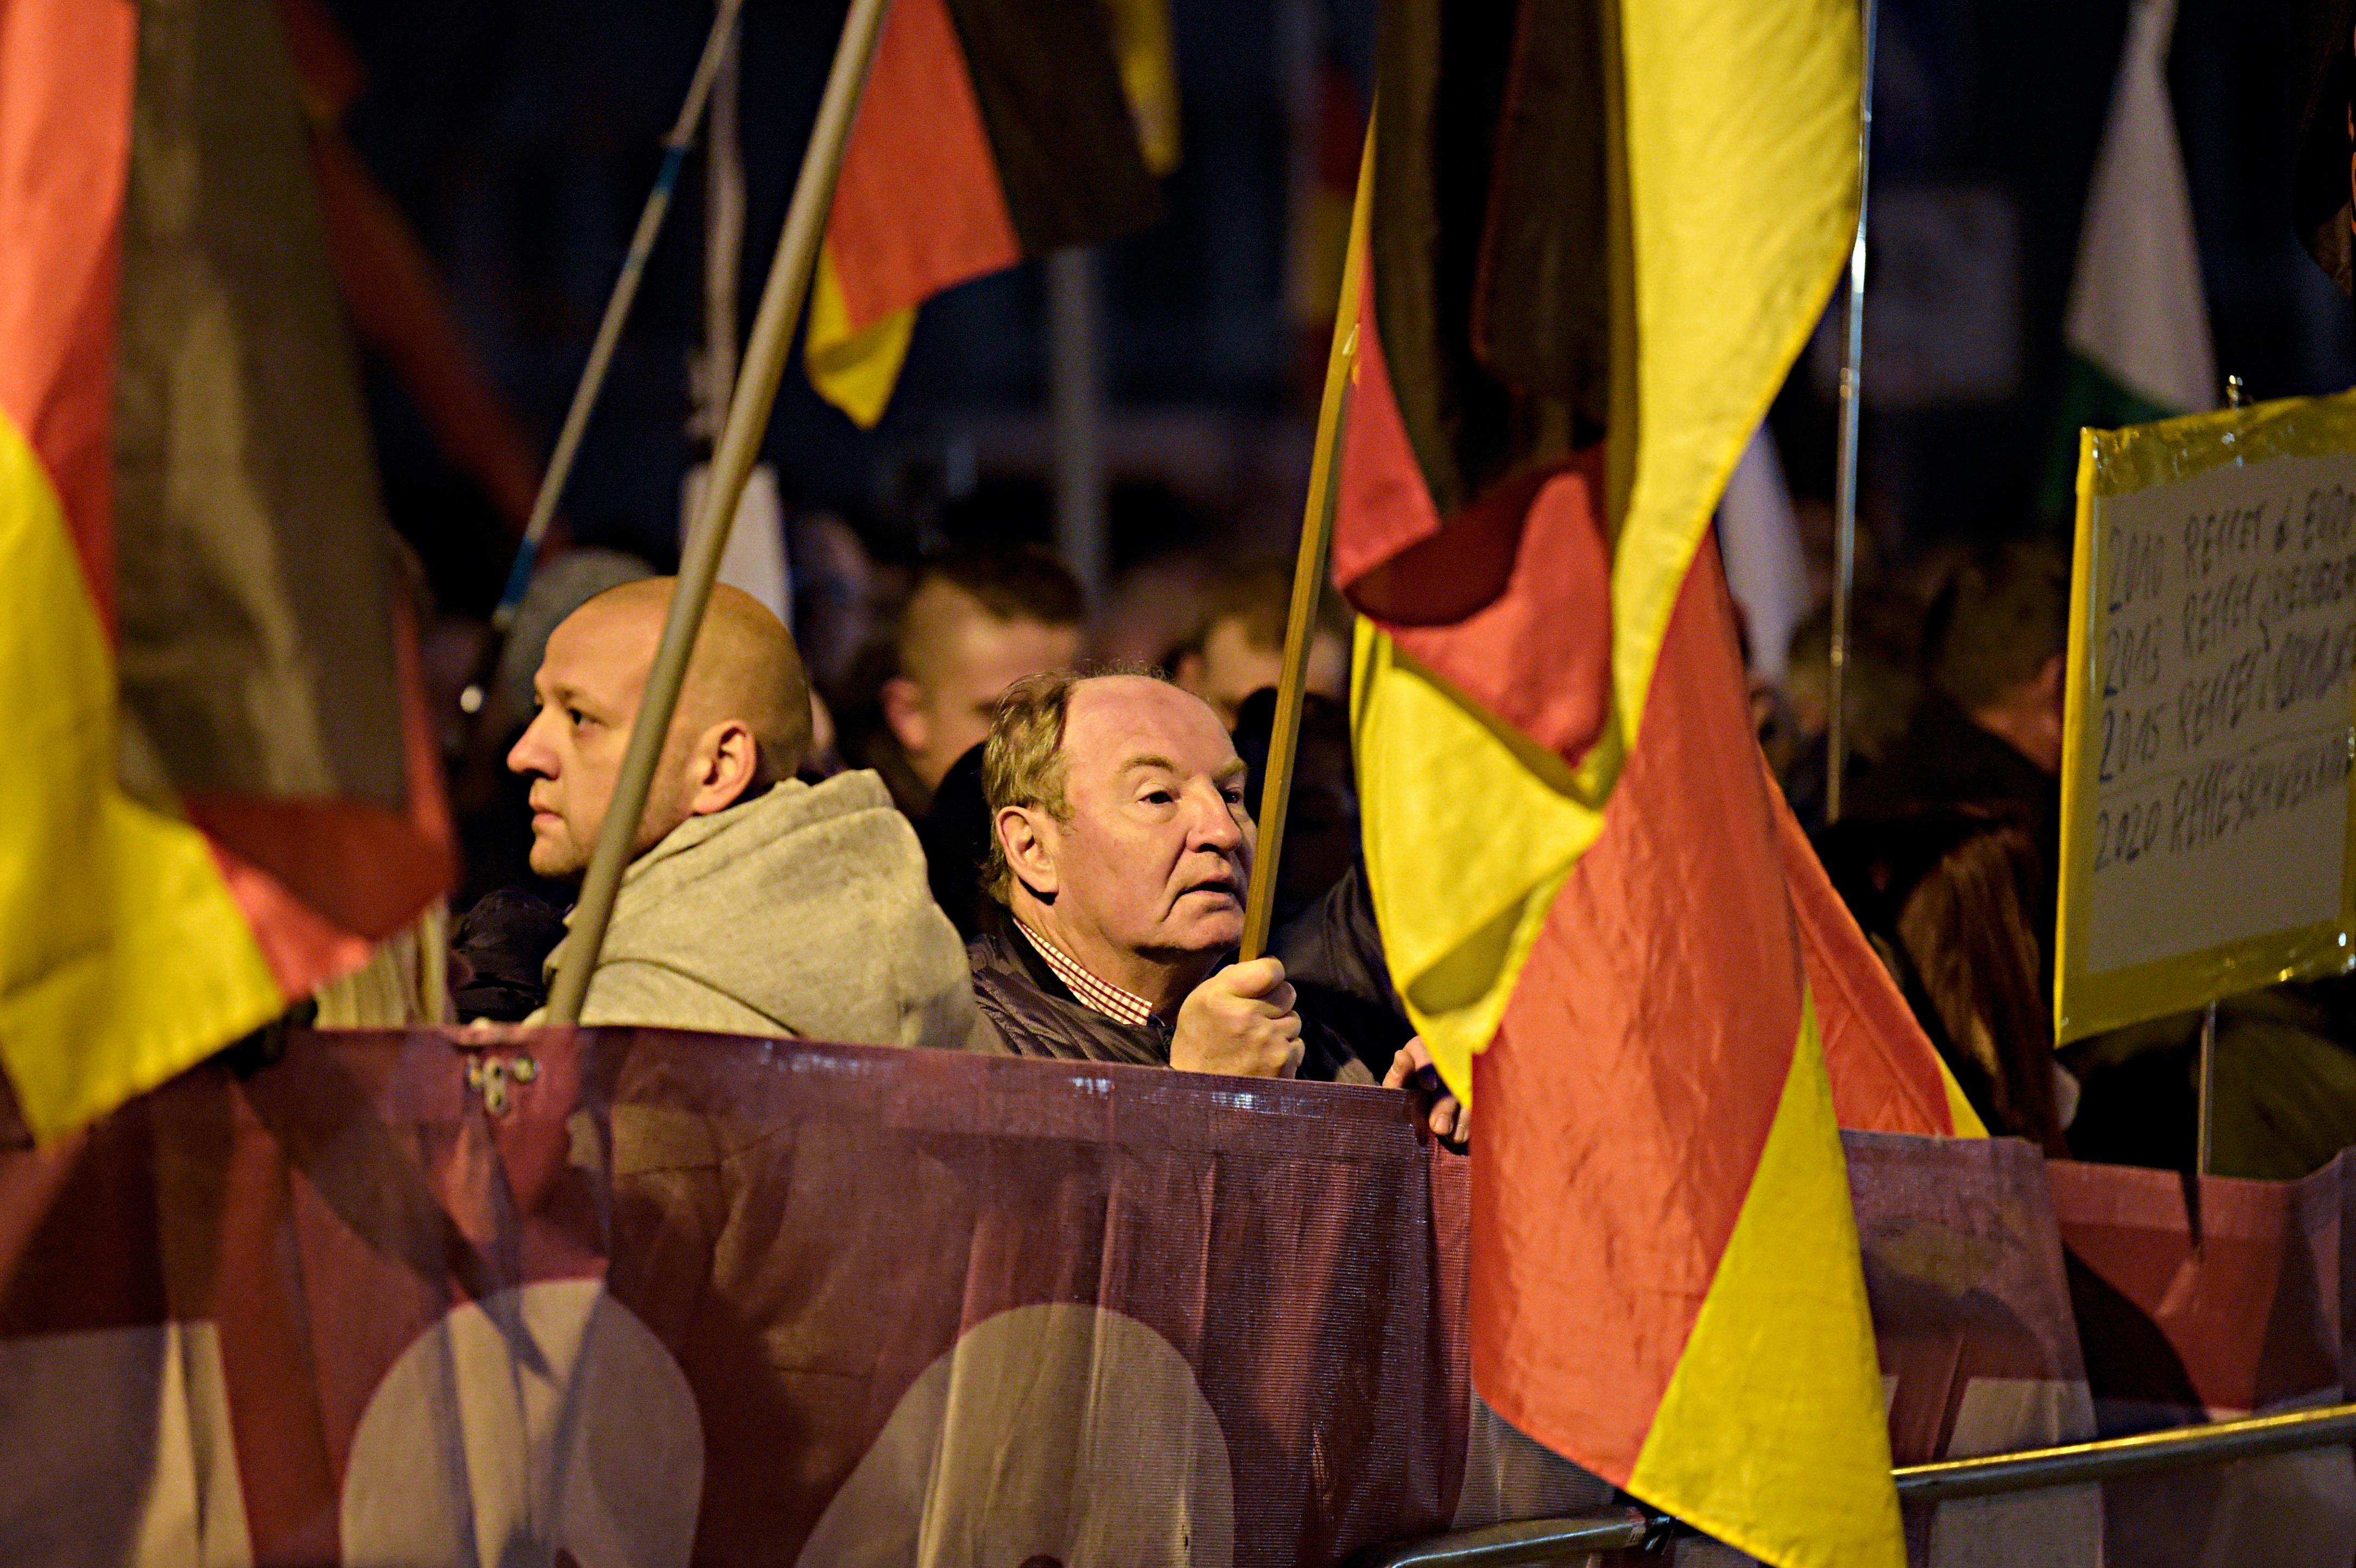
<point>1159,797</point>
<point>577,717</point>
<point>1235,795</point>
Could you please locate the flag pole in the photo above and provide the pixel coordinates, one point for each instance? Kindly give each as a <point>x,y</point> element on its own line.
<point>1845,478</point>
<point>1308,577</point>
<point>1076,412</point>
<point>475,700</point>
<point>766,351</point>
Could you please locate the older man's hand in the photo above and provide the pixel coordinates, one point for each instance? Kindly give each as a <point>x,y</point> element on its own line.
<point>1239,1021</point>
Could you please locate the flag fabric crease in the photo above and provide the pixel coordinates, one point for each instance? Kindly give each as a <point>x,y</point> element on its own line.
<point>991,131</point>
<point>222,789</point>
<point>1590,240</point>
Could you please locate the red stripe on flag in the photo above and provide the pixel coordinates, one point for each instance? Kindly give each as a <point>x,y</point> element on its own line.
<point>1884,1070</point>
<point>918,207</point>
<point>1629,1091</point>
<point>1509,600</point>
<point>65,156</point>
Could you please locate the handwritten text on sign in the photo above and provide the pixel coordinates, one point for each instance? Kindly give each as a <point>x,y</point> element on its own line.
<point>2219,751</point>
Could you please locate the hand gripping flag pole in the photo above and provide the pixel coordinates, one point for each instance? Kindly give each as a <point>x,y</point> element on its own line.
<point>740,445</point>
<point>474,700</point>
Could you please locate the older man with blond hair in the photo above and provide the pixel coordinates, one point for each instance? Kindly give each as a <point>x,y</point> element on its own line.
<point>1121,857</point>
<point>754,903</point>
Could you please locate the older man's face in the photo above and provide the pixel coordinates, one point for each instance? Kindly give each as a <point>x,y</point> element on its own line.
<point>1158,852</point>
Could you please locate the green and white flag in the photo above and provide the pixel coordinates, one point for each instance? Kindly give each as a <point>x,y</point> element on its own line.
<point>2137,328</point>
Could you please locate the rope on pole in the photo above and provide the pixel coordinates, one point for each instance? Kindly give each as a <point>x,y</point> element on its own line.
<point>782,297</point>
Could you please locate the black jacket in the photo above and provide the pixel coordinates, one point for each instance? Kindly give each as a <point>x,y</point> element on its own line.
<point>1037,1015</point>
<point>1333,954</point>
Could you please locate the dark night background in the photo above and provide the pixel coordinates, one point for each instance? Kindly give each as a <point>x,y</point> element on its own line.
<point>519,137</point>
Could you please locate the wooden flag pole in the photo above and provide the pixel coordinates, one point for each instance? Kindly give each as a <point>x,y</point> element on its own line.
<point>1300,633</point>
<point>1307,580</point>
<point>475,700</point>
<point>765,354</point>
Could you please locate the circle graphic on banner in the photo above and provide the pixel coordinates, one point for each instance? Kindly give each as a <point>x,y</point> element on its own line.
<point>537,1420</point>
<point>1063,1435</point>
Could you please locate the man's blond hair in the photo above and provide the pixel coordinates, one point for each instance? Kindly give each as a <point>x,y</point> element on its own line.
<point>1022,762</point>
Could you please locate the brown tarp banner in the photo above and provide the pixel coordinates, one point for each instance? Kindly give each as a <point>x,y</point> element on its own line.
<point>689,1298</point>
<point>680,1298</point>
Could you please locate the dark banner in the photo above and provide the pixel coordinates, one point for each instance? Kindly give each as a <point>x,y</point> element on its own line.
<point>638,1299</point>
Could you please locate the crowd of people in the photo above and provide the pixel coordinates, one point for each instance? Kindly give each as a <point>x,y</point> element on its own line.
<point>970,829</point>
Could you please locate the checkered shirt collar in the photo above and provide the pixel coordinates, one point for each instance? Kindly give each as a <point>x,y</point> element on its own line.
<point>1115,1002</point>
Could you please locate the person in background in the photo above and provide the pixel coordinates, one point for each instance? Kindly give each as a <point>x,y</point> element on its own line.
<point>976,622</point>
<point>1884,687</point>
<point>1237,646</point>
<point>1321,823</point>
<point>1943,895</point>
<point>955,832</point>
<point>754,903</point>
<point>1989,730</point>
<point>1119,861</point>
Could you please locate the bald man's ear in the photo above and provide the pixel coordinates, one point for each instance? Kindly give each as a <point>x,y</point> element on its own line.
<point>724,767</point>
<point>1022,836</point>
<point>903,714</point>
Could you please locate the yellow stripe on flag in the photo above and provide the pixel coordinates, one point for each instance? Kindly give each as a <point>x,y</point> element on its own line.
<point>854,370</point>
<point>1772,1435</point>
<point>1148,78</point>
<point>123,959</point>
<point>1739,126</point>
<point>1736,126</point>
<point>1959,1107</point>
<point>1434,773</point>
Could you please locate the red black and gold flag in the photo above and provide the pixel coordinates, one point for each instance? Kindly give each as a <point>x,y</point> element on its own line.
<point>990,130</point>
<point>219,786</point>
<point>1590,240</point>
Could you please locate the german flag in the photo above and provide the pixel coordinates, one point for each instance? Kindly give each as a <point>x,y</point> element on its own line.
<point>220,788</point>
<point>1591,241</point>
<point>990,130</point>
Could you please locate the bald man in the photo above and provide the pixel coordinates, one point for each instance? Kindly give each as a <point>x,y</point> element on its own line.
<point>754,903</point>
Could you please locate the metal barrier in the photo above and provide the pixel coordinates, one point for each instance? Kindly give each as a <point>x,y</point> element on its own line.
<point>1531,1542</point>
<point>1534,1543</point>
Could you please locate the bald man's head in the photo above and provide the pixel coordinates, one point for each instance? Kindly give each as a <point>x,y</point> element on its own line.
<point>743,720</point>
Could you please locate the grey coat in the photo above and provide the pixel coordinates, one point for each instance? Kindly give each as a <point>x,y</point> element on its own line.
<point>803,912</point>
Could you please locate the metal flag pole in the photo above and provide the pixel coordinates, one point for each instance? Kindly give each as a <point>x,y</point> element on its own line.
<point>2204,1126</point>
<point>1076,412</point>
<point>1845,478</point>
<point>740,445</point>
<point>1308,579</point>
<point>676,147</point>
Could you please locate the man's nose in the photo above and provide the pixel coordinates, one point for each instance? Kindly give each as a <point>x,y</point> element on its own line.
<point>1215,826</point>
<point>530,755</point>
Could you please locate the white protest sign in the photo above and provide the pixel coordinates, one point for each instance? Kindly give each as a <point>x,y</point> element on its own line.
<point>2211,711</point>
